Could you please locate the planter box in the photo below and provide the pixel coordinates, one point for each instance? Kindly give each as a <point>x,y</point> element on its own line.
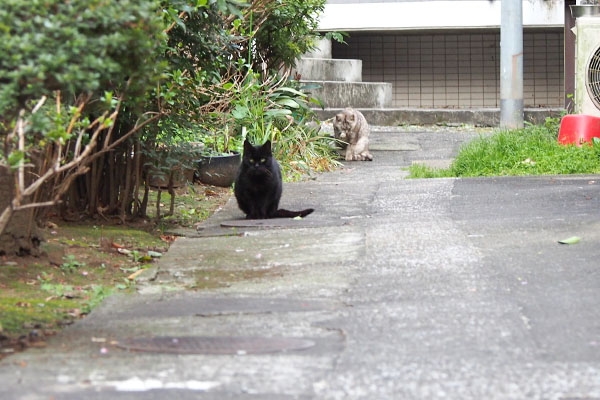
<point>219,170</point>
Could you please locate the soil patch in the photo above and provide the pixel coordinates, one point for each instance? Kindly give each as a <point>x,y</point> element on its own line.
<point>83,262</point>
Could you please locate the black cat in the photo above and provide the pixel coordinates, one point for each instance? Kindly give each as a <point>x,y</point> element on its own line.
<point>258,184</point>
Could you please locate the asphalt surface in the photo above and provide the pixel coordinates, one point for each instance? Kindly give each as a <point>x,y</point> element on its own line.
<point>392,289</point>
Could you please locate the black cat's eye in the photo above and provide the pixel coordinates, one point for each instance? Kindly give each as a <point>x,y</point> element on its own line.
<point>252,160</point>
<point>262,160</point>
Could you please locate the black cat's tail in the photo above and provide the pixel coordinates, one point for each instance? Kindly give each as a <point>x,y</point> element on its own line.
<point>281,213</point>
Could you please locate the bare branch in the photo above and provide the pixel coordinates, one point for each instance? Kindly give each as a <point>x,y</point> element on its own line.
<point>36,205</point>
<point>39,105</point>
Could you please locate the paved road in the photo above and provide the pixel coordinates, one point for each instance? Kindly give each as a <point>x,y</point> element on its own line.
<point>392,289</point>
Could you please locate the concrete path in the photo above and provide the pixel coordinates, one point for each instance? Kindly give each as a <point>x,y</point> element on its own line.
<point>392,289</point>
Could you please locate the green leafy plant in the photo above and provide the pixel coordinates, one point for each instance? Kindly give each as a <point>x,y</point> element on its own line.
<point>71,264</point>
<point>96,294</point>
<point>289,30</point>
<point>58,290</point>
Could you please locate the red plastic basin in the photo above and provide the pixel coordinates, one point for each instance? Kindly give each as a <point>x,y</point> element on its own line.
<point>578,128</point>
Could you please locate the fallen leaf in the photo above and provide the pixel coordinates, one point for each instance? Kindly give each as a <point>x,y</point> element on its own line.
<point>154,253</point>
<point>570,240</point>
<point>135,274</point>
<point>123,251</point>
<point>75,312</point>
<point>117,245</point>
<point>167,238</point>
<point>23,304</point>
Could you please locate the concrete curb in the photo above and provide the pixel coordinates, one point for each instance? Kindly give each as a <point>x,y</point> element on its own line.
<point>431,116</point>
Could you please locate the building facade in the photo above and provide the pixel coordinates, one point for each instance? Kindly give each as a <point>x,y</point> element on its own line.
<point>446,53</point>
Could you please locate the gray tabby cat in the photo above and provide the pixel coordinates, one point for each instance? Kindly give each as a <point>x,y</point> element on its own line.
<point>351,127</point>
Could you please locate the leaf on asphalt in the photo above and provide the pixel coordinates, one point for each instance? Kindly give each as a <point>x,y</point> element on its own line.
<point>155,254</point>
<point>570,240</point>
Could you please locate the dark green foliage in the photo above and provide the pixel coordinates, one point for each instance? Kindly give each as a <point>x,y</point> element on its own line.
<point>200,40</point>
<point>288,32</point>
<point>83,46</point>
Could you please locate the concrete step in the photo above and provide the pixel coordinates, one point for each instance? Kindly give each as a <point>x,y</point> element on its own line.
<point>436,116</point>
<point>327,69</point>
<point>322,49</point>
<point>335,94</point>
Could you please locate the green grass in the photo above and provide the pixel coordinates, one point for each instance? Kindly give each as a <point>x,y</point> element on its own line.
<point>83,234</point>
<point>533,150</point>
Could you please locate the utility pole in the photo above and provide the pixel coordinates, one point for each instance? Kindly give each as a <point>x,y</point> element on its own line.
<point>511,64</point>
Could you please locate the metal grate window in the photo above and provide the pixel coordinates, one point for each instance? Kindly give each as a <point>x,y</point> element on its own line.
<point>453,70</point>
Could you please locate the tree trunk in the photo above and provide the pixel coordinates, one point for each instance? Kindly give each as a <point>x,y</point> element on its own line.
<point>144,206</point>
<point>15,239</point>
<point>172,193</point>
<point>127,187</point>
<point>137,162</point>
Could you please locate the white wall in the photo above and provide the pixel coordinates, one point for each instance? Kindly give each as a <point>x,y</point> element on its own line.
<point>436,14</point>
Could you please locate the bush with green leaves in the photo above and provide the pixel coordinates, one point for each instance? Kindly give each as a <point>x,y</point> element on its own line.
<point>65,71</point>
<point>77,47</point>
<point>216,82</point>
<point>75,80</point>
<point>290,30</point>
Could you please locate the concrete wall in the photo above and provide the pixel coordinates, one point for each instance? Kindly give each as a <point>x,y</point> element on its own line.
<point>383,15</point>
<point>450,69</point>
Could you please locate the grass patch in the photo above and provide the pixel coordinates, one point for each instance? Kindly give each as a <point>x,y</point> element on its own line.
<point>533,150</point>
<point>83,263</point>
<point>90,235</point>
<point>193,204</point>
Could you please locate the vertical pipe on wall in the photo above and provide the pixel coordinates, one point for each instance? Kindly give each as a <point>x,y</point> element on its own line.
<point>569,57</point>
<point>511,64</point>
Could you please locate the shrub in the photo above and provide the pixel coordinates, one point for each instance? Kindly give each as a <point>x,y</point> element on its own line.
<point>77,47</point>
<point>290,30</point>
<point>65,70</point>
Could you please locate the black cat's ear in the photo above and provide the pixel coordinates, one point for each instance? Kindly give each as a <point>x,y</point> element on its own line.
<point>247,146</point>
<point>267,146</point>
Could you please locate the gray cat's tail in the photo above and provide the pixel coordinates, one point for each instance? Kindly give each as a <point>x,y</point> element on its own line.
<point>281,213</point>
